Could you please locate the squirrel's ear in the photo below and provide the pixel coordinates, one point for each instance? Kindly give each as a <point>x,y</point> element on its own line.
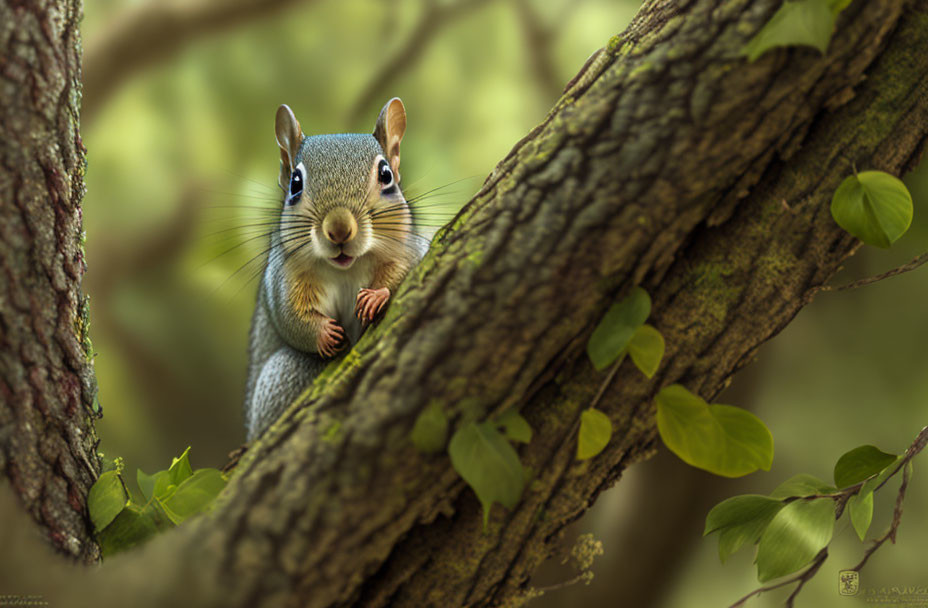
<point>391,124</point>
<point>289,138</point>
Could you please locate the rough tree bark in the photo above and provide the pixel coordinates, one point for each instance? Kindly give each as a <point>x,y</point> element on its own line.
<point>669,162</point>
<point>47,384</point>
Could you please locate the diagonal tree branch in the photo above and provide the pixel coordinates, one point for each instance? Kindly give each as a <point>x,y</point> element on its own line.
<point>664,164</point>
<point>659,168</point>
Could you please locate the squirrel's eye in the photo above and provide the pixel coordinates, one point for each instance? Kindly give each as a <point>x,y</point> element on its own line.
<point>296,185</point>
<point>384,174</point>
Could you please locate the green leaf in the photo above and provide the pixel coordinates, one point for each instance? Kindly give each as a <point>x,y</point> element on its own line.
<point>860,507</point>
<point>194,495</point>
<point>180,468</point>
<point>515,426</point>
<point>147,482</point>
<point>794,536</point>
<point>595,432</point>
<point>134,525</point>
<point>616,328</point>
<point>859,464</point>
<point>107,498</point>
<point>800,23</point>
<point>885,473</point>
<point>836,6</point>
<point>489,464</point>
<point>431,429</point>
<point>740,520</point>
<point>646,348</point>
<point>160,484</point>
<point>873,206</point>
<point>722,439</point>
<point>738,510</point>
<point>802,485</point>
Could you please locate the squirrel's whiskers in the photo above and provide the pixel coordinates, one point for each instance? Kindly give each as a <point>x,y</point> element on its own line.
<point>343,238</point>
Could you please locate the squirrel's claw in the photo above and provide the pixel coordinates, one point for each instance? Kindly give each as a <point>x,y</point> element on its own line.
<point>371,302</point>
<point>331,338</point>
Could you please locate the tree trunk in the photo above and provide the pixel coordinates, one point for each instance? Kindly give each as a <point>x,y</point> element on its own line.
<point>47,386</point>
<point>669,162</point>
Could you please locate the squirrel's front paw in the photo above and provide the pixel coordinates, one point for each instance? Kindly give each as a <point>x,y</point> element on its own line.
<point>370,303</point>
<point>331,338</point>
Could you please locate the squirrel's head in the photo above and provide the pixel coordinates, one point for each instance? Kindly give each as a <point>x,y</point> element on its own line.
<point>342,197</point>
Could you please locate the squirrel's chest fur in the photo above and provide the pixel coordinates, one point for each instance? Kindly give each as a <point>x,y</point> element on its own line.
<point>295,292</point>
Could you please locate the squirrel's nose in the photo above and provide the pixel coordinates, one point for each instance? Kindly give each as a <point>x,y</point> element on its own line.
<point>338,235</point>
<point>339,226</point>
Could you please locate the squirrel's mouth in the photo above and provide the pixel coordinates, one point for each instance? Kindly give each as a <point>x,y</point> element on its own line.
<point>342,260</point>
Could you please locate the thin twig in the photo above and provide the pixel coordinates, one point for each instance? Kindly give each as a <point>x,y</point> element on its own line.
<point>840,498</point>
<point>539,40</point>
<point>801,577</point>
<point>915,263</point>
<point>606,382</point>
<point>435,17</point>
<point>917,446</point>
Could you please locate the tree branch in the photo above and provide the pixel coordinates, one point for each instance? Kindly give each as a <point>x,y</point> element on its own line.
<point>841,497</point>
<point>47,385</point>
<point>436,16</point>
<point>664,164</point>
<point>912,265</point>
<point>917,446</point>
<point>539,39</point>
<point>146,34</point>
<point>612,190</point>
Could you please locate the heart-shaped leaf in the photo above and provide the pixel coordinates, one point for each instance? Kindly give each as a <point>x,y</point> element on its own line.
<point>595,432</point>
<point>799,23</point>
<point>721,439</point>
<point>860,463</point>
<point>646,348</point>
<point>617,327</point>
<point>515,426</point>
<point>873,206</point>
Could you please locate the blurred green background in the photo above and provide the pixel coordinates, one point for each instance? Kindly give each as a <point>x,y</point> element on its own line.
<point>182,151</point>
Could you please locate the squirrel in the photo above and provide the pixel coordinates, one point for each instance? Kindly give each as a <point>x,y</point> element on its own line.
<point>342,243</point>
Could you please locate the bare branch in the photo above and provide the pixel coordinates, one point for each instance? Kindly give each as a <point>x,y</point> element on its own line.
<point>915,263</point>
<point>539,40</point>
<point>841,499</point>
<point>801,577</point>
<point>917,446</point>
<point>436,16</point>
<point>146,34</point>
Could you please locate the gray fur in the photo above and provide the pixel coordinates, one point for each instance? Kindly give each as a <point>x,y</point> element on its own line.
<point>283,361</point>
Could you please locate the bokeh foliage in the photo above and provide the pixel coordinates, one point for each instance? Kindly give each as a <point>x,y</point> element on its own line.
<point>183,149</point>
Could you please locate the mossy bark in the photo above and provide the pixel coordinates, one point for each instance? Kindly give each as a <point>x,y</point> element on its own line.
<point>47,386</point>
<point>669,162</point>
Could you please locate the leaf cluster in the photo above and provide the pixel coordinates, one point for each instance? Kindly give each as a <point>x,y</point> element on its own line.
<point>480,452</point>
<point>796,521</point>
<point>169,497</point>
